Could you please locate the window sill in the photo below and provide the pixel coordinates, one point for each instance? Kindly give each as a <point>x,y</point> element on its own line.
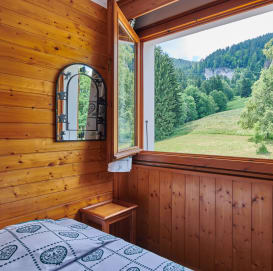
<point>249,167</point>
<point>127,152</point>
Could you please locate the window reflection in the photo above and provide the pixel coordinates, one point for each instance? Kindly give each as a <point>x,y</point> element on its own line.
<point>126,89</point>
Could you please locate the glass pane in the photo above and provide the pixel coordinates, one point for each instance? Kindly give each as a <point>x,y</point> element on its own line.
<point>84,106</point>
<point>80,104</point>
<point>126,89</point>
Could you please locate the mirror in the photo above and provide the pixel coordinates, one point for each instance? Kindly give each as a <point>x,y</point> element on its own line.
<point>80,104</point>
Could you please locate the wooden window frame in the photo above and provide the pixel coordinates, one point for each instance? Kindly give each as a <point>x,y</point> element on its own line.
<point>115,15</point>
<point>235,166</point>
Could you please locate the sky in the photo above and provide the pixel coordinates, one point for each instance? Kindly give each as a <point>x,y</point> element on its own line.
<point>199,45</point>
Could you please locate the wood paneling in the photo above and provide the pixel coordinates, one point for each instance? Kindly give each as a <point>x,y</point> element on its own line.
<point>154,217</point>
<point>204,221</point>
<point>165,214</point>
<point>192,221</point>
<point>143,201</point>
<point>223,220</point>
<point>241,226</point>
<point>178,216</point>
<point>207,223</point>
<point>136,8</point>
<point>40,178</point>
<point>261,227</point>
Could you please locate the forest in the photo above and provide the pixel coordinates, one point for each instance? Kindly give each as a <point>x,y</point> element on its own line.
<point>185,97</point>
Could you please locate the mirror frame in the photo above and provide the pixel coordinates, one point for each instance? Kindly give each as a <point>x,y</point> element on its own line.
<point>57,99</point>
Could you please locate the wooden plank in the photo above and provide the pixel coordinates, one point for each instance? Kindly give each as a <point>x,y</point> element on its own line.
<point>18,208</point>
<point>50,17</point>
<point>207,223</point>
<point>204,164</point>
<point>42,44</point>
<point>22,161</point>
<point>178,217</point>
<point>25,130</point>
<point>154,211</point>
<point>116,186</point>
<point>132,185</point>
<point>165,214</point>
<point>192,221</point>
<point>19,177</point>
<point>27,55</point>
<point>26,100</point>
<point>30,190</point>
<point>9,66</point>
<point>92,9</point>
<point>58,212</point>
<point>57,8</point>
<point>123,186</point>
<point>241,226</point>
<point>38,145</point>
<point>136,8</point>
<point>261,249</point>
<point>143,210</point>
<point>27,84</point>
<point>223,218</point>
<point>25,115</point>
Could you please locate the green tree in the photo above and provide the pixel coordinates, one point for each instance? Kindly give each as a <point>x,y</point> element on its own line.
<point>167,112</point>
<point>258,113</point>
<point>215,82</point>
<point>227,90</point>
<point>220,99</point>
<point>126,100</point>
<point>187,104</point>
<point>183,108</point>
<point>268,50</point>
<point>84,100</point>
<point>182,78</point>
<point>245,83</point>
<point>204,105</point>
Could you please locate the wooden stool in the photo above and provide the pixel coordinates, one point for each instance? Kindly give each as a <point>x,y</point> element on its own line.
<point>109,212</point>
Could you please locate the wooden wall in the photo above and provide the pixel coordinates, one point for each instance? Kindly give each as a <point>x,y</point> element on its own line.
<point>38,177</point>
<point>205,221</point>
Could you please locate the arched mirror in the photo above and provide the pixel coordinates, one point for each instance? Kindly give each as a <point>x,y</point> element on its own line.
<point>80,104</point>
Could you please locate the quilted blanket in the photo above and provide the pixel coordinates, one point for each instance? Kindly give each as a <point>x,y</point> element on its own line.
<point>69,245</point>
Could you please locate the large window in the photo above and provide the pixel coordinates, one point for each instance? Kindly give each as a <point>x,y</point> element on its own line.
<point>213,91</point>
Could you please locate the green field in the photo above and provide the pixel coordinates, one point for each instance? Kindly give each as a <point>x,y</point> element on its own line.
<point>217,134</point>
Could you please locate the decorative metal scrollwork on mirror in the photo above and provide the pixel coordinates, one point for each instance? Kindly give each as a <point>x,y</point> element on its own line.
<point>80,104</point>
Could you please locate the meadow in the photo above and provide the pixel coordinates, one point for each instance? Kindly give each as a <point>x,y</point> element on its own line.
<point>217,134</point>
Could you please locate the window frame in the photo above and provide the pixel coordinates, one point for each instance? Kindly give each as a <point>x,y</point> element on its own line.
<point>115,16</point>
<point>240,166</point>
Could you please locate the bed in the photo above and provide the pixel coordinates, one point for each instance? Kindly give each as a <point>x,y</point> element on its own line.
<point>69,245</point>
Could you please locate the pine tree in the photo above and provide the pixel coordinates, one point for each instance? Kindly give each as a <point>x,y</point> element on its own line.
<point>166,95</point>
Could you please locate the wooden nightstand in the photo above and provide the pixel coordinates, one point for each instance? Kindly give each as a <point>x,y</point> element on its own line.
<point>109,212</point>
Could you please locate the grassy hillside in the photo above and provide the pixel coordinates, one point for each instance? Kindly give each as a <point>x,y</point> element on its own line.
<point>217,134</point>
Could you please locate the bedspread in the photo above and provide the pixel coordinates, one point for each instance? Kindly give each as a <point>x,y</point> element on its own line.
<point>69,245</point>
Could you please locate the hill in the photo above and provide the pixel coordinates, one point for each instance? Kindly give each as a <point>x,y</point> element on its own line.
<point>217,134</point>
<point>247,54</point>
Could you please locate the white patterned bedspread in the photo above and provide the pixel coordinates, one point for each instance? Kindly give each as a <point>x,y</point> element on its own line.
<point>69,245</point>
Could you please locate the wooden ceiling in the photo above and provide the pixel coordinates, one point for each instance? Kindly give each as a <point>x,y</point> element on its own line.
<point>136,8</point>
<point>162,17</point>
